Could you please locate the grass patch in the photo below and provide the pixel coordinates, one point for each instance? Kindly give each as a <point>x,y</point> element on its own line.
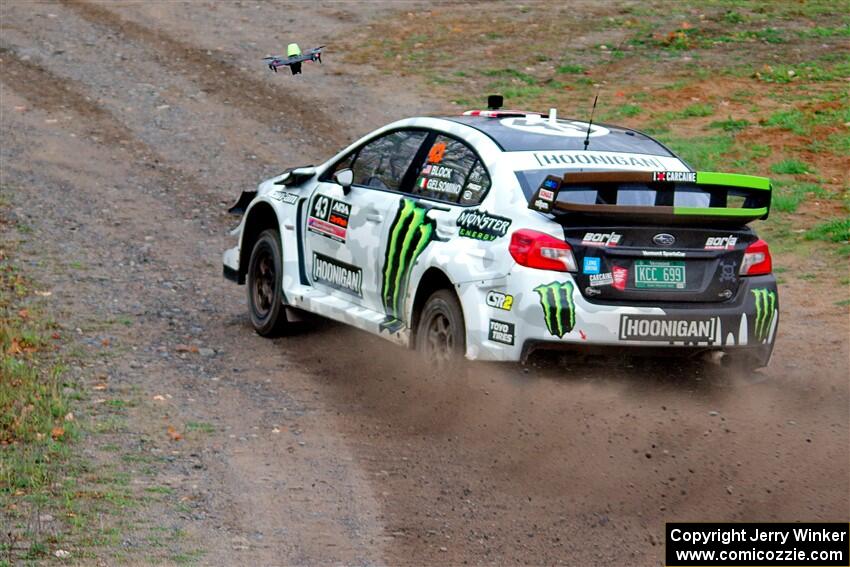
<point>730,124</point>
<point>835,230</point>
<point>200,426</point>
<point>705,154</point>
<point>787,198</point>
<point>510,74</point>
<point>697,110</point>
<point>790,166</point>
<point>570,69</point>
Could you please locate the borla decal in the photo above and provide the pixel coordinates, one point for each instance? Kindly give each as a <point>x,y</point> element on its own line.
<point>480,225</point>
<point>559,310</point>
<point>410,233</point>
<point>329,217</point>
<point>337,275</point>
<point>765,312</point>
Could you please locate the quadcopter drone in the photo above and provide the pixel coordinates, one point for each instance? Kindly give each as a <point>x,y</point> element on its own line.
<point>294,58</point>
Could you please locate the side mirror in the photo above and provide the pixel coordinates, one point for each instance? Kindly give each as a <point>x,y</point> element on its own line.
<point>344,178</point>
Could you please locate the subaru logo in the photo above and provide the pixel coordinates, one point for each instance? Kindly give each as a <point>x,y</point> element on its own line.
<point>664,239</point>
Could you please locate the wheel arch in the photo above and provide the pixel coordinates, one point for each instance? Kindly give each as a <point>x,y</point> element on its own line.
<point>432,280</point>
<point>261,216</point>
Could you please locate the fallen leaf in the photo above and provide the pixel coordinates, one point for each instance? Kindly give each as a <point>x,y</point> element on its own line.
<point>159,398</point>
<point>14,348</point>
<point>57,432</point>
<point>44,293</point>
<point>174,434</point>
<point>24,313</point>
<point>56,335</point>
<point>69,416</point>
<point>99,387</point>
<point>105,342</point>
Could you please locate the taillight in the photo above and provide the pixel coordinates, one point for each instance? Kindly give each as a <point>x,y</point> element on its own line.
<point>541,251</point>
<point>757,260</point>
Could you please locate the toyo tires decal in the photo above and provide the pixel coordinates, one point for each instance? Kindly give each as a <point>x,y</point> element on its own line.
<point>559,310</point>
<point>765,312</point>
<point>410,233</point>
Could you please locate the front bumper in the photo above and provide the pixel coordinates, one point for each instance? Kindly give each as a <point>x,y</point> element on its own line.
<point>230,265</point>
<point>549,311</point>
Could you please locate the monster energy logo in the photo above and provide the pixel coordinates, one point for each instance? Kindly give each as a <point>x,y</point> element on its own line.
<point>410,232</point>
<point>559,311</point>
<point>765,311</point>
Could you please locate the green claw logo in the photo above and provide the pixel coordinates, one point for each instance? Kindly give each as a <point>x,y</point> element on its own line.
<point>410,233</point>
<point>765,312</point>
<point>559,311</point>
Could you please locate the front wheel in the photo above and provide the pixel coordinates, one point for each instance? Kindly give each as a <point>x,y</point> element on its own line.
<point>440,334</point>
<point>265,276</point>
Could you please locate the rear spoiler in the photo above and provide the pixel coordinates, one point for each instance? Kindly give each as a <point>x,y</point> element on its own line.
<point>732,197</point>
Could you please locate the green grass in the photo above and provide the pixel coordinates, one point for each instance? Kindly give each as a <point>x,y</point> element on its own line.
<point>697,110</point>
<point>835,230</point>
<point>628,110</point>
<point>510,74</point>
<point>707,153</point>
<point>570,69</point>
<point>200,426</point>
<point>790,166</point>
<point>793,120</point>
<point>787,197</point>
<point>730,125</point>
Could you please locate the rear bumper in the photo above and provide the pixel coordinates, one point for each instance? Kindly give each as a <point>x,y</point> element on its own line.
<point>548,311</point>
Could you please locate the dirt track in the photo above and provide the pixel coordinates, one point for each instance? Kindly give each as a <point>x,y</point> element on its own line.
<point>126,131</point>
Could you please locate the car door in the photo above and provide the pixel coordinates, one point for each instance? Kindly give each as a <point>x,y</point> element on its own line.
<point>343,230</point>
<point>445,177</point>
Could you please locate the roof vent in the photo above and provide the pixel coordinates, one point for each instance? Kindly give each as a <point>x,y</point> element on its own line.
<point>495,102</point>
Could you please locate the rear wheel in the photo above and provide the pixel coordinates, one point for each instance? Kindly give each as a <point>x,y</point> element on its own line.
<point>265,275</point>
<point>440,334</point>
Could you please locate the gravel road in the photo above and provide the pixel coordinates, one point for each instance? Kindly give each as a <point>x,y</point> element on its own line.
<point>127,129</point>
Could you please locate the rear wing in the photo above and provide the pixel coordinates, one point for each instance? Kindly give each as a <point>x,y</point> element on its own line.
<point>664,196</point>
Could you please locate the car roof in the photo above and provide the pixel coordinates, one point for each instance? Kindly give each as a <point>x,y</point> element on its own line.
<point>514,132</point>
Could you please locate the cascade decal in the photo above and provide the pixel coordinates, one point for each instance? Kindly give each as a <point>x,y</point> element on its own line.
<point>410,233</point>
<point>765,312</point>
<point>559,310</point>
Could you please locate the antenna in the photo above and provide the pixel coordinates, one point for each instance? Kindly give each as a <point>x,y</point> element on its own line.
<point>590,123</point>
<point>596,98</point>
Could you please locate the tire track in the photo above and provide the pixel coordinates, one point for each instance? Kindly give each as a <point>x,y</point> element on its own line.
<point>219,78</point>
<point>50,92</point>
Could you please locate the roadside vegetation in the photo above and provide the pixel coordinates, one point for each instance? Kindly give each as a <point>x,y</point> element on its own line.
<point>56,504</point>
<point>731,85</point>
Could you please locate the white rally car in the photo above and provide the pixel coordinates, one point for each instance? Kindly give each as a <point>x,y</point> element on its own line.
<point>495,233</point>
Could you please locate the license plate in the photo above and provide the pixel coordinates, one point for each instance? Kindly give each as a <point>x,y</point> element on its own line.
<point>650,274</point>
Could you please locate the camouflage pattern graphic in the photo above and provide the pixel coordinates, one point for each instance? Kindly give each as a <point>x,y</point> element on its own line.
<point>410,232</point>
<point>765,311</point>
<point>559,311</point>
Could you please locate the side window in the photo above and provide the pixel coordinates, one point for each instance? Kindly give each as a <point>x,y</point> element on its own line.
<point>445,172</point>
<point>477,185</point>
<point>382,163</point>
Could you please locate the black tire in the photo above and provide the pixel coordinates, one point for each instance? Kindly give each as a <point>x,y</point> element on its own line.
<point>265,276</point>
<point>441,333</point>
